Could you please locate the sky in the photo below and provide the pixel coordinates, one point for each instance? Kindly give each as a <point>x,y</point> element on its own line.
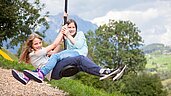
<point>152,17</point>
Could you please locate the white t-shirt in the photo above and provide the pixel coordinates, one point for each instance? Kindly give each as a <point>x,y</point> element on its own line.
<point>39,60</point>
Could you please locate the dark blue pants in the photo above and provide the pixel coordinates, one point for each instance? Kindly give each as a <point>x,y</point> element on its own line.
<point>81,62</point>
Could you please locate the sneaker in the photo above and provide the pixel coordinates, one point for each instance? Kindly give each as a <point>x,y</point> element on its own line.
<point>20,77</point>
<point>109,73</point>
<point>36,76</point>
<point>120,74</point>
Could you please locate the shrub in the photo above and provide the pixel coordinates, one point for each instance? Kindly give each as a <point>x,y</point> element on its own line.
<point>143,85</point>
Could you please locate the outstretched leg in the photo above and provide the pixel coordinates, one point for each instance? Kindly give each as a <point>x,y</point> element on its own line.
<point>83,64</point>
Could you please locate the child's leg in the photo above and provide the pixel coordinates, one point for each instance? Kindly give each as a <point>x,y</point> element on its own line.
<point>56,58</point>
<point>39,75</point>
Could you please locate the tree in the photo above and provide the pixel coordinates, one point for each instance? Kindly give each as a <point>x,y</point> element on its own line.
<point>118,42</point>
<point>115,43</point>
<point>19,18</point>
<point>143,85</point>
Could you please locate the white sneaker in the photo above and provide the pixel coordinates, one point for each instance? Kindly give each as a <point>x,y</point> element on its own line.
<point>120,74</point>
<point>110,74</point>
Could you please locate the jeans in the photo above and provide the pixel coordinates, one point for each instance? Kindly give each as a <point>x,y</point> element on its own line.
<point>81,62</point>
<point>55,58</point>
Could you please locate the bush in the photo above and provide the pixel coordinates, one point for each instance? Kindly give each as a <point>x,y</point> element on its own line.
<point>90,80</point>
<point>130,85</point>
<point>143,85</point>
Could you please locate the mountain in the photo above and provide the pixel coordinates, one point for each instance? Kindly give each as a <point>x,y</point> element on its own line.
<point>55,23</point>
<point>156,47</point>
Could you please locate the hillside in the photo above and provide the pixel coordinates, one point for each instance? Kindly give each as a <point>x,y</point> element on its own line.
<point>156,48</point>
<point>158,59</point>
<point>159,62</point>
<point>11,87</point>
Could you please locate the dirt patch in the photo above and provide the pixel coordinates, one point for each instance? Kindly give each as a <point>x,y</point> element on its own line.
<point>11,87</point>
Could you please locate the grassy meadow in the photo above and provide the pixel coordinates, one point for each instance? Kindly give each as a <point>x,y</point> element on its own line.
<point>161,64</point>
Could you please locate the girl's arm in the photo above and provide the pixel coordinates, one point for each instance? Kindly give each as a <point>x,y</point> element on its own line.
<point>55,43</point>
<point>56,50</point>
<point>68,35</point>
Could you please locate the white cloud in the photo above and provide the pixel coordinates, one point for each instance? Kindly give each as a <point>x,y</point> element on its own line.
<point>152,17</point>
<point>154,22</point>
<point>135,16</point>
<point>166,37</point>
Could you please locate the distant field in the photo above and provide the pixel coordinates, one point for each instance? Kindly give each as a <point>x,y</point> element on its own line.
<point>161,62</point>
<point>167,84</point>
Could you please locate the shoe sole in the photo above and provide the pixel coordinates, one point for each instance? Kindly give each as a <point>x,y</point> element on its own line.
<point>15,75</point>
<point>31,76</point>
<point>120,74</point>
<point>109,75</point>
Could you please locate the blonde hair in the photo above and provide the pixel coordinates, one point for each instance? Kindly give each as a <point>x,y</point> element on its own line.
<point>27,48</point>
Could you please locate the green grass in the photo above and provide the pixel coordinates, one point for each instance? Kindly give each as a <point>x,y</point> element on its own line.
<point>76,88</point>
<point>167,84</point>
<point>10,54</point>
<point>14,65</point>
<point>161,62</point>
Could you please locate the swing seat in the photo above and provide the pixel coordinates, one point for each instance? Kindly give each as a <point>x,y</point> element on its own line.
<point>68,71</point>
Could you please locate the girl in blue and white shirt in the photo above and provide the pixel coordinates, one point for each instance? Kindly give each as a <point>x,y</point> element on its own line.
<point>76,45</point>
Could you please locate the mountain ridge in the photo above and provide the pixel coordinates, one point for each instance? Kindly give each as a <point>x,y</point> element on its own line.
<point>55,22</point>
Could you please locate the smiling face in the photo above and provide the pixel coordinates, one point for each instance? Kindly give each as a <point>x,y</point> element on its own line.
<point>37,44</point>
<point>72,28</point>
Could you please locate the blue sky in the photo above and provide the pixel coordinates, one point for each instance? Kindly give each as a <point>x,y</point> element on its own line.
<point>152,17</point>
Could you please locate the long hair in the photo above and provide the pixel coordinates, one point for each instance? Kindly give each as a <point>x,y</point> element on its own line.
<point>72,21</point>
<point>27,48</point>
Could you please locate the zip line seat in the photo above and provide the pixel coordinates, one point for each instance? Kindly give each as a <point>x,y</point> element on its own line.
<point>64,70</point>
<point>68,71</point>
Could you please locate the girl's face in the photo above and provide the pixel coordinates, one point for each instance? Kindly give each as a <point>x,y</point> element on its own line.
<point>37,44</point>
<point>72,29</point>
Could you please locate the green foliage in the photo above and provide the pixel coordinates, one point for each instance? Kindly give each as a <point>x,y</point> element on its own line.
<point>143,85</point>
<point>14,65</point>
<point>167,85</point>
<point>18,18</point>
<point>159,64</point>
<point>117,42</point>
<point>76,88</point>
<point>108,85</point>
<point>10,54</point>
